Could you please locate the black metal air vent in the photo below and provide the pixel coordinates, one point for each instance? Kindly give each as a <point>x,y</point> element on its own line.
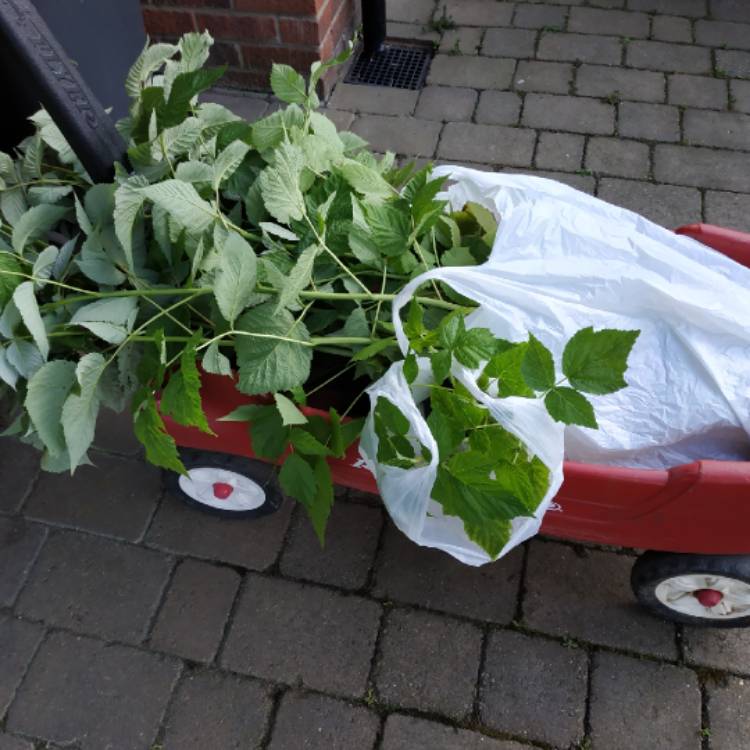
<point>400,66</point>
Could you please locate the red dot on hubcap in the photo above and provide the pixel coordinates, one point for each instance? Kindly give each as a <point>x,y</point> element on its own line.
<point>708,597</point>
<point>222,490</point>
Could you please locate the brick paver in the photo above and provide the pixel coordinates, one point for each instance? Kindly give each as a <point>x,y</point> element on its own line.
<point>128,620</point>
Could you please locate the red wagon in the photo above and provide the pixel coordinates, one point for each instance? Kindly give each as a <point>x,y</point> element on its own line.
<point>693,519</point>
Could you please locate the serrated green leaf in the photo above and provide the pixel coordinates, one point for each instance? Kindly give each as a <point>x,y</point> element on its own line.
<point>411,368</point>
<point>272,228</point>
<point>184,87</point>
<point>25,357</point>
<point>234,287</point>
<point>181,398</point>
<point>183,204</point>
<point>215,362</point>
<point>298,278</point>
<point>128,202</point>
<point>320,508</point>
<point>287,84</point>
<point>46,392</point>
<point>538,367</point>
<point>441,365</point>
<point>278,359</point>
<point>34,223</point>
<point>570,407</point>
<point>26,304</point>
<point>372,349</point>
<point>365,180</point>
<point>194,171</point>
<point>306,443</point>
<point>506,367</point>
<point>151,59</point>
<point>448,433</point>
<point>10,277</point>
<point>268,434</point>
<point>228,161</point>
<point>109,319</point>
<point>161,449</point>
<point>491,536</point>
<point>290,414</point>
<point>451,329</point>
<point>43,265</point>
<point>280,185</point>
<point>457,256</point>
<point>297,479</point>
<point>596,361</point>
<point>474,346</point>
<point>389,227</point>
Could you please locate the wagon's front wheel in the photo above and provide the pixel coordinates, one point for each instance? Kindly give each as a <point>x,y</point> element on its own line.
<point>225,485</point>
<point>703,590</point>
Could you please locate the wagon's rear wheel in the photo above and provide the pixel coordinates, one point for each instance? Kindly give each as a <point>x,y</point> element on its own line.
<point>703,590</point>
<point>225,485</point>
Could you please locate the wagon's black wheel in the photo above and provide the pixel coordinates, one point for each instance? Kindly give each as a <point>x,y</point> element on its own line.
<point>226,485</point>
<point>704,590</point>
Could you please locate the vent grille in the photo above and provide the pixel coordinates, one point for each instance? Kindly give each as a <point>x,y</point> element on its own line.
<point>397,66</point>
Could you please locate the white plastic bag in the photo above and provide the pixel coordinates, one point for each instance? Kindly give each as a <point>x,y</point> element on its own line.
<point>562,261</point>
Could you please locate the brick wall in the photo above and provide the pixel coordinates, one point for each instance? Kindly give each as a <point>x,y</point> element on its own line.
<point>251,34</point>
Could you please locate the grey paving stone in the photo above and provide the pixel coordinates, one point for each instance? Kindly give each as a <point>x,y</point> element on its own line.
<point>116,497</point>
<point>498,108</point>
<point>702,167</point>
<point>576,114</point>
<point>20,543</point>
<point>95,586</point>
<point>430,578</point>
<point>618,157</point>
<point>653,122</point>
<point>509,43</point>
<point>690,8</point>
<point>379,100</point>
<point>697,91</point>
<point>477,12</point>
<point>428,662</point>
<point>727,650</point>
<point>733,63</point>
<point>729,714</point>
<point>671,29</point>
<point>583,182</point>
<point>636,703</point>
<point>446,103</point>
<point>620,83</point>
<point>316,722</point>
<point>559,151</point>
<point>615,22</point>
<point>465,40</point>
<point>19,640</point>
<point>525,679</point>
<point>723,34</point>
<point>721,129</point>
<point>114,433</point>
<point>345,561</point>
<point>19,466</point>
<point>671,58</point>
<point>192,619</point>
<point>253,544</point>
<point>402,135</point>
<point>539,16</point>
<point>730,10</point>
<point>589,598</point>
<point>291,633</point>
<point>8,742</point>
<point>549,77</point>
<point>411,31</point>
<point>740,93</point>
<point>491,144</point>
<point>246,106</point>
<point>471,72</point>
<point>410,11</point>
<point>342,120</point>
<point>728,210</point>
<point>668,205</point>
<point>584,47</point>
<point>410,733</point>
<point>82,690</point>
<point>211,709</point>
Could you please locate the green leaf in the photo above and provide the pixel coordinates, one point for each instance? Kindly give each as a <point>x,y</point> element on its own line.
<point>298,480</point>
<point>8,373</point>
<point>389,228</point>
<point>280,187</point>
<point>109,319</point>
<point>278,359</point>
<point>43,265</point>
<point>474,347</point>
<point>570,407</point>
<point>320,508</point>
<point>287,84</point>
<point>458,256</point>
<point>372,349</point>
<point>9,266</point>
<point>181,398</point>
<point>595,361</point>
<point>411,368</point>
<point>268,434</point>
<point>451,329</point>
<point>161,449</point>
<point>506,367</point>
<point>290,414</point>
<point>183,204</point>
<point>228,161</point>
<point>441,365</point>
<point>150,60</point>
<point>491,536</point>
<point>25,357</point>
<point>26,304</point>
<point>276,229</point>
<point>234,287</point>
<point>448,433</point>
<point>365,180</point>
<point>184,88</point>
<point>128,202</point>
<point>81,409</point>
<point>304,442</point>
<point>45,395</point>
<point>537,367</point>
<point>298,278</point>
<point>215,362</point>
<point>36,222</point>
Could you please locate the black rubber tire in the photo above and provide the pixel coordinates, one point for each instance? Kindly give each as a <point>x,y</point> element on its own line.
<point>652,568</point>
<point>259,471</point>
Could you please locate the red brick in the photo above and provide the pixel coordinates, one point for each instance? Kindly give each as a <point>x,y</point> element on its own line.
<point>221,4</point>
<point>160,22</point>
<point>225,53</point>
<point>340,26</point>
<point>251,80</point>
<point>262,57</point>
<point>233,26</point>
<point>280,7</point>
<point>293,31</point>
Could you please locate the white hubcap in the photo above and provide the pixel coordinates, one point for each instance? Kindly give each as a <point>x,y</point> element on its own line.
<point>219,488</point>
<point>729,597</point>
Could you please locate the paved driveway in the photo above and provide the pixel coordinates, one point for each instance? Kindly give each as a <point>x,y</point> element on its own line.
<point>129,621</point>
